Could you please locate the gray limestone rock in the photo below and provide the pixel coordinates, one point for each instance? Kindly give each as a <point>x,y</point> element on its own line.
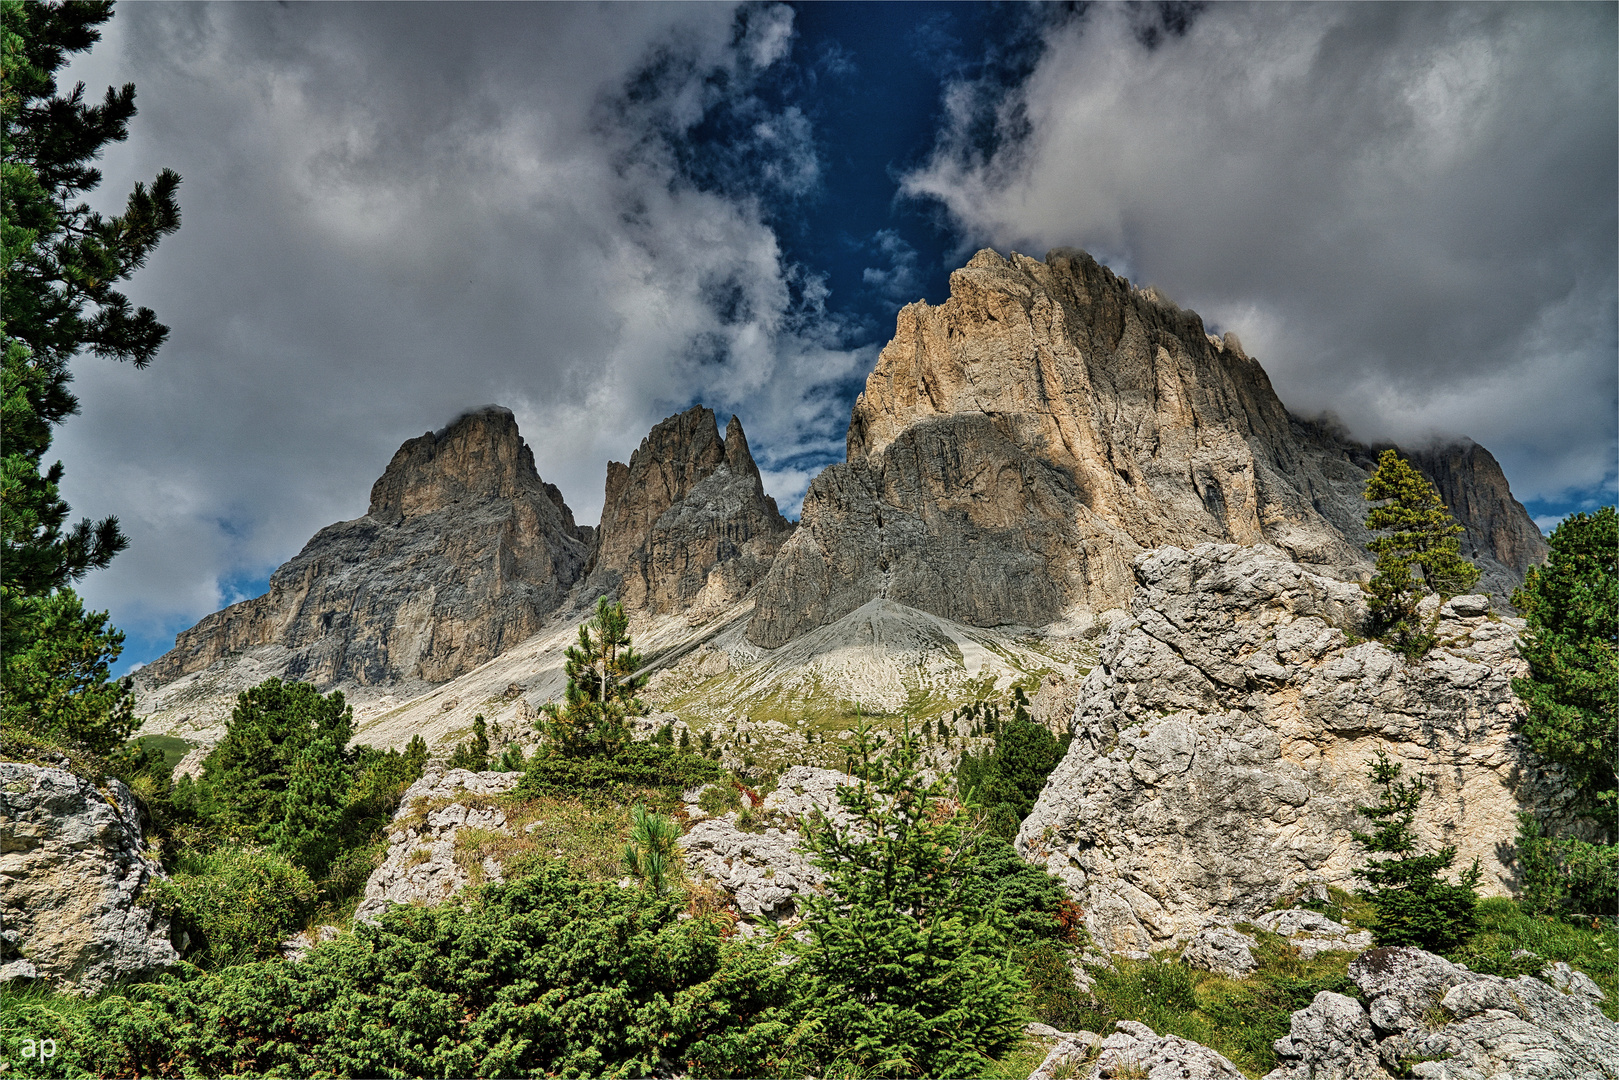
<point>1068,1048</point>
<point>1571,981</point>
<point>1134,1050</point>
<point>1222,737</point>
<point>1431,1018</point>
<point>765,872</point>
<point>1313,933</point>
<point>1016,446</point>
<point>420,867</point>
<point>1222,950</point>
<point>73,868</point>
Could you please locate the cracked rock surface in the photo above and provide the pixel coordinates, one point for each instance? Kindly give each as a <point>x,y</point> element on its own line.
<point>72,870</point>
<point>420,867</point>
<point>1431,1018</point>
<point>1222,737</point>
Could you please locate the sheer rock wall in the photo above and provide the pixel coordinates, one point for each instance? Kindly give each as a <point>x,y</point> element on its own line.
<point>687,523</point>
<point>1017,445</point>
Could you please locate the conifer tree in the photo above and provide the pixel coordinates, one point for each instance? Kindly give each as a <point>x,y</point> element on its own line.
<point>909,975</point>
<point>57,299</point>
<point>601,687</point>
<point>1571,640</point>
<point>1418,535</point>
<point>1414,905</point>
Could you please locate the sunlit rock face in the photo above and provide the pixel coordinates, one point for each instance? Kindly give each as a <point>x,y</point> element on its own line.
<point>1018,445</point>
<point>463,552</point>
<point>1221,744</point>
<point>687,524</point>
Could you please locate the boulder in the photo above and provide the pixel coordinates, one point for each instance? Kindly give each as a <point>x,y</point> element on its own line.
<point>73,868</point>
<point>1135,1051</point>
<point>1222,737</point>
<point>420,867</point>
<point>765,872</point>
<point>1429,1017</point>
<point>1312,933</point>
<point>1222,950</point>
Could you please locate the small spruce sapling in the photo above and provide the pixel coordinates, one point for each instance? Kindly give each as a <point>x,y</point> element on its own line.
<point>1414,905</point>
<point>909,973</point>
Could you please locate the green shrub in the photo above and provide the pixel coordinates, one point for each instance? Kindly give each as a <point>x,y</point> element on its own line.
<point>650,853</point>
<point>632,773</point>
<point>543,976</point>
<point>718,799</point>
<point>1565,876</point>
<point>237,905</point>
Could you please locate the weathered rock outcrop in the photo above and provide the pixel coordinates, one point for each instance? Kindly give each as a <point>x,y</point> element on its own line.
<point>1019,444</point>
<point>1221,742</point>
<point>766,871</point>
<point>687,522</point>
<point>72,869</point>
<point>421,867</point>
<point>463,552</point>
<point>1429,1017</point>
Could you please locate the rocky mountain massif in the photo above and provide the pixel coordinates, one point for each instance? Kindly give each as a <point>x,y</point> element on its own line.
<point>463,552</point>
<point>1014,449</point>
<point>1020,443</point>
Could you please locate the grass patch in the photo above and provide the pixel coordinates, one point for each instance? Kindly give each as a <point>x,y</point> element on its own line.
<point>587,837</point>
<point>171,747</point>
<point>1241,1018</point>
<point>1504,927</point>
<point>1018,1062</point>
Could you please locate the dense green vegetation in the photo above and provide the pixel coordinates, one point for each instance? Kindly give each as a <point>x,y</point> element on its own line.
<point>1414,905</point>
<point>1007,777</point>
<point>1417,534</point>
<point>57,299</point>
<point>1571,641</point>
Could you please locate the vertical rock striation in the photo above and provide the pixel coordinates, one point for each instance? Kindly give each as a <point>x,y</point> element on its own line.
<point>464,551</point>
<point>687,524</point>
<point>1016,446</point>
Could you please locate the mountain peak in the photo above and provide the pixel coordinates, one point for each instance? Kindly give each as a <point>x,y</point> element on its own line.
<point>478,455</point>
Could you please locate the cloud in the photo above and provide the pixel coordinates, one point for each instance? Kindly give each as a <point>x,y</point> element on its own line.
<point>392,214</point>
<point>1406,211</point>
<point>900,283</point>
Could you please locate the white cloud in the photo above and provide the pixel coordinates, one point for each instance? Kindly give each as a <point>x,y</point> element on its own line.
<point>1405,211</point>
<point>394,214</point>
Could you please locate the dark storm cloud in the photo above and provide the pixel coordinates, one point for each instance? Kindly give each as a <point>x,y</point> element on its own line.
<point>1407,212</point>
<point>392,214</point>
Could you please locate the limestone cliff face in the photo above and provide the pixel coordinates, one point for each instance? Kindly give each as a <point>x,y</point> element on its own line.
<point>464,551</point>
<point>1018,445</point>
<point>686,524</point>
<point>1222,738</point>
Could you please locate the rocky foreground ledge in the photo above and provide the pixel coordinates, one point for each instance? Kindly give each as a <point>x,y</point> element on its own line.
<point>1425,1017</point>
<point>1221,742</point>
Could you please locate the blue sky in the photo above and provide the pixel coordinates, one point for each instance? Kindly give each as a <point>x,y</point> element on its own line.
<point>599,215</point>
